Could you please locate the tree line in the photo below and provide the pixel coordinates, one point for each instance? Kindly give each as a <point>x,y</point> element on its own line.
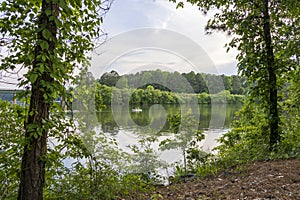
<point>176,82</point>
<point>106,95</point>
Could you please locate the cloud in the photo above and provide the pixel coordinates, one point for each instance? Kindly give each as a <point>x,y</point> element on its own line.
<point>148,46</point>
<point>128,15</point>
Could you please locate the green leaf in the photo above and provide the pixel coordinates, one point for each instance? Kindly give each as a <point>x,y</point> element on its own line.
<point>45,96</point>
<point>44,45</point>
<point>31,15</point>
<point>47,34</point>
<point>64,6</point>
<point>33,77</point>
<point>42,69</point>
<point>180,5</point>
<point>35,135</point>
<point>4,5</point>
<point>31,113</point>
<point>48,12</point>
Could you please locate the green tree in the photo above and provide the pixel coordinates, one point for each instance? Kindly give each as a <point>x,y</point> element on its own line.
<point>202,87</point>
<point>11,133</point>
<point>103,96</point>
<point>191,78</point>
<point>122,82</point>
<point>215,83</point>
<point>48,38</point>
<point>236,86</point>
<point>227,82</point>
<point>264,33</point>
<point>109,78</point>
<point>146,78</point>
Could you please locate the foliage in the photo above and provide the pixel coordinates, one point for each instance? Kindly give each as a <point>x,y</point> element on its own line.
<point>146,161</point>
<point>106,95</point>
<point>290,144</point>
<point>186,136</point>
<point>11,141</point>
<point>248,140</point>
<point>77,165</point>
<point>19,24</point>
<point>99,175</point>
<point>167,81</point>
<point>47,38</point>
<point>85,164</point>
<point>265,33</point>
<point>109,78</point>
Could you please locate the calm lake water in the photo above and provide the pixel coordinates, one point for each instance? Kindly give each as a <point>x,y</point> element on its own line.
<point>128,127</point>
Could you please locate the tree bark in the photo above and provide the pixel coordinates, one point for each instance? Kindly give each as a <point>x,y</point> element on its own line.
<point>273,91</point>
<point>32,176</point>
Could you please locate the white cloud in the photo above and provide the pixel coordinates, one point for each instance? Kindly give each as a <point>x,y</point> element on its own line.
<point>127,15</point>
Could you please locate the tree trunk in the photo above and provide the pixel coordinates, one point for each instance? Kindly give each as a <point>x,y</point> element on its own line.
<point>33,163</point>
<point>273,106</point>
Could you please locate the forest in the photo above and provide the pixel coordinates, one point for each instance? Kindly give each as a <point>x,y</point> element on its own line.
<point>48,152</point>
<point>149,87</point>
<point>108,96</point>
<point>161,79</point>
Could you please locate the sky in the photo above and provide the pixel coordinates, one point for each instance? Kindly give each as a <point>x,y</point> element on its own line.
<point>150,34</point>
<point>153,34</point>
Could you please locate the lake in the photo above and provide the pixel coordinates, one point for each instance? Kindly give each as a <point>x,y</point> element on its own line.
<point>128,127</point>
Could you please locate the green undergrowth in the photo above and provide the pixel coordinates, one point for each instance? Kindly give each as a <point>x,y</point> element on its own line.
<point>247,142</point>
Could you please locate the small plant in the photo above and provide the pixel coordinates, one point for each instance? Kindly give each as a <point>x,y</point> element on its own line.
<point>156,197</point>
<point>186,135</point>
<point>146,160</point>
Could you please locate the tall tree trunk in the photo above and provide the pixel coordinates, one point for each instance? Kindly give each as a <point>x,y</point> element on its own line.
<point>273,107</point>
<point>33,164</point>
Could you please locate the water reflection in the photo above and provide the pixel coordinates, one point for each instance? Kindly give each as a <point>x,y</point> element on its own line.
<point>129,128</point>
<point>211,117</point>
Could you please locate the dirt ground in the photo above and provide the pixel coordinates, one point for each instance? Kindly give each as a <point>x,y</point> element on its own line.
<point>259,180</point>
